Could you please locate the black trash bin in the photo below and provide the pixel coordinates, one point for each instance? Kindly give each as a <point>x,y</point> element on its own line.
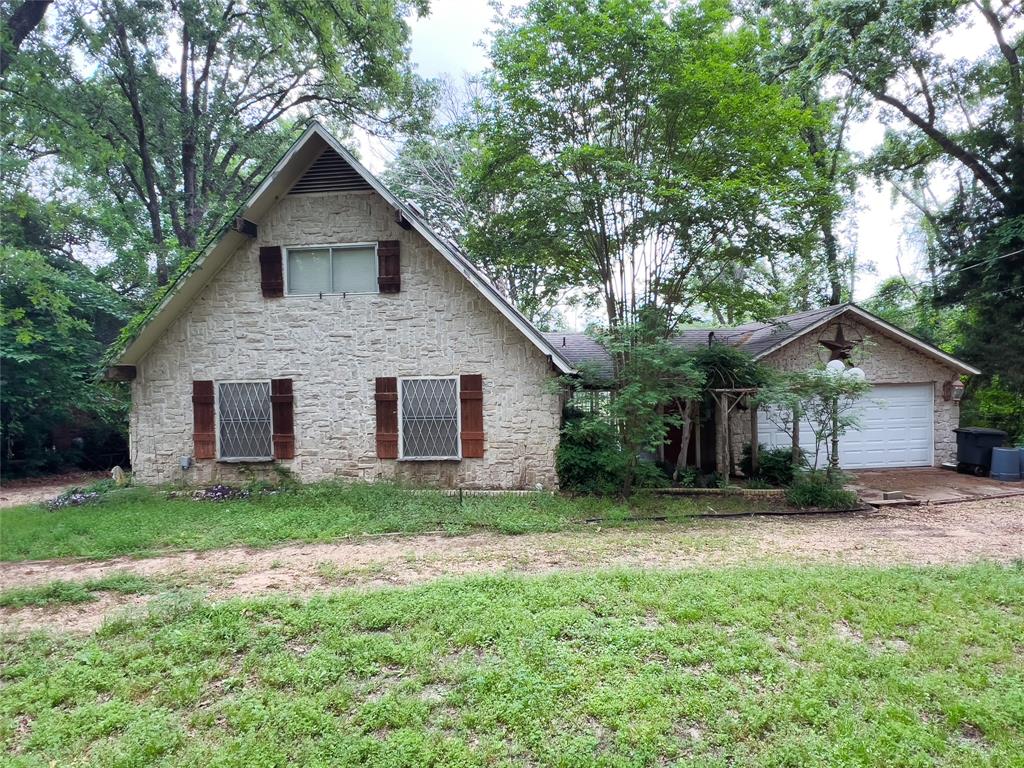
<point>974,449</point>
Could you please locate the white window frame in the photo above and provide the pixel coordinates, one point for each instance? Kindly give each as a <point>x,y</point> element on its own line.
<point>458,418</point>
<point>216,421</point>
<point>332,247</point>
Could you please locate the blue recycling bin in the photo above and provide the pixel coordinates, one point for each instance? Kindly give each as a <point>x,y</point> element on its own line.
<point>1005,464</point>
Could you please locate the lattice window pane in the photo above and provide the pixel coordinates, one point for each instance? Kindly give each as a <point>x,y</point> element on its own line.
<point>430,418</point>
<point>244,417</point>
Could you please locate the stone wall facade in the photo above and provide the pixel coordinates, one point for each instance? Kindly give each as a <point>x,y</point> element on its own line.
<point>884,360</point>
<point>334,347</point>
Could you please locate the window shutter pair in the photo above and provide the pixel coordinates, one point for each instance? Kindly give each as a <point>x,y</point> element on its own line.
<point>282,410</point>
<point>471,429</point>
<point>389,269</point>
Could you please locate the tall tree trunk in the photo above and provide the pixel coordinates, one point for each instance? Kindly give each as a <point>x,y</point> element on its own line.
<point>828,237</point>
<point>187,234</point>
<point>25,18</point>
<point>129,83</point>
<point>689,410</point>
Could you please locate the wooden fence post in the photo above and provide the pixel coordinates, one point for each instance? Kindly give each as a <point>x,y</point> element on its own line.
<point>755,451</point>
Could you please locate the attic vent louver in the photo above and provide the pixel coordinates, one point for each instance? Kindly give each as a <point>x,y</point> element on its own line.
<point>329,173</point>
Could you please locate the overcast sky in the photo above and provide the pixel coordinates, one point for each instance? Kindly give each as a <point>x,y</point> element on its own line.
<point>450,42</point>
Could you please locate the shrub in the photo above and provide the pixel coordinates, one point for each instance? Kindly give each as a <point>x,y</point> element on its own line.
<point>590,459</point>
<point>817,489</point>
<point>688,477</point>
<point>649,474</point>
<point>775,465</point>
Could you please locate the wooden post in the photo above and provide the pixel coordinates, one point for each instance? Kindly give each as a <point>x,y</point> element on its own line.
<point>684,438</point>
<point>833,460</point>
<point>698,454</point>
<point>720,415</point>
<point>755,450</point>
<point>726,438</point>
<point>796,437</point>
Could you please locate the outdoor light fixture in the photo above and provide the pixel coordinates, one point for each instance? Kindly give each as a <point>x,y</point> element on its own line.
<point>838,368</point>
<point>953,390</point>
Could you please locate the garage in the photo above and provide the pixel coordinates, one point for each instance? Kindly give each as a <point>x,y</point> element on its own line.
<point>896,428</point>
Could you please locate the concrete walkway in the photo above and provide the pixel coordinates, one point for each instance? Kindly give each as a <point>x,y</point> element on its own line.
<point>928,485</point>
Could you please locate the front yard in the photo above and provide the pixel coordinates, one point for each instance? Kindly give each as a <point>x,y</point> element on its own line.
<point>144,521</point>
<point>767,666</point>
<point>270,631</point>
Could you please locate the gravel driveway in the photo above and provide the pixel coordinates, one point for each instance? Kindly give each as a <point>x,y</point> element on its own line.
<point>991,530</point>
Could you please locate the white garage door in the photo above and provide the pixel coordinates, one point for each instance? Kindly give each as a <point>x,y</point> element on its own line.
<point>895,430</point>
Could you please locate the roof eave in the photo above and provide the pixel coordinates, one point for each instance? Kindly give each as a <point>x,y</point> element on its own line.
<point>161,316</point>
<point>457,260</point>
<point>887,327</point>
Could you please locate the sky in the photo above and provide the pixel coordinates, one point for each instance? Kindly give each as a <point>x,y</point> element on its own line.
<point>449,41</point>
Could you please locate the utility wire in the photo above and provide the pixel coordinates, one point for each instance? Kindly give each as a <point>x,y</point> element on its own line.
<point>925,283</point>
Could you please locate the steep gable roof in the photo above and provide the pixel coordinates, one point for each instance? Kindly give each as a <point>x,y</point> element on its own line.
<point>758,339</point>
<point>315,162</point>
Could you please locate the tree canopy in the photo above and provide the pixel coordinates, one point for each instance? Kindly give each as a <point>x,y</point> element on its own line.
<point>957,119</point>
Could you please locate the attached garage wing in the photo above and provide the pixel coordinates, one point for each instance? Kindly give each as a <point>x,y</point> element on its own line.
<point>896,430</point>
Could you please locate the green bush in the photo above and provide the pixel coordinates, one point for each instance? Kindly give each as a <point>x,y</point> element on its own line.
<point>688,477</point>
<point>817,489</point>
<point>590,459</point>
<point>775,465</point>
<point>649,474</point>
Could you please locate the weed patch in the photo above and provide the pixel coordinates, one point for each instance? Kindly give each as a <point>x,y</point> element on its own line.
<point>70,592</point>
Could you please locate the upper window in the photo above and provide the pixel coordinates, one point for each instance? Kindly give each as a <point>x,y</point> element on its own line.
<point>333,269</point>
<point>244,422</point>
<point>429,418</point>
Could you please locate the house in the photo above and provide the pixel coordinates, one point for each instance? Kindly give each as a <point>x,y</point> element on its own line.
<point>906,420</point>
<point>328,331</point>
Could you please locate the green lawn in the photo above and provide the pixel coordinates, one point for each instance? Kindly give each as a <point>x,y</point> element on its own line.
<point>71,592</point>
<point>771,667</point>
<point>142,521</point>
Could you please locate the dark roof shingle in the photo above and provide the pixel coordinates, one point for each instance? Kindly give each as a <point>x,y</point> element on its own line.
<point>754,338</point>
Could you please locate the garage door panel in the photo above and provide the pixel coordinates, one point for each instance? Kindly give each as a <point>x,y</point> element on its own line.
<point>896,426</point>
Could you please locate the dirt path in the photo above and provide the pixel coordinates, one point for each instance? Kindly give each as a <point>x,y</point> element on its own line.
<point>14,493</point>
<point>946,534</point>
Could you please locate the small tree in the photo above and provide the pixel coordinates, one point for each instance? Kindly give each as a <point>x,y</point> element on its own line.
<point>651,377</point>
<point>826,400</point>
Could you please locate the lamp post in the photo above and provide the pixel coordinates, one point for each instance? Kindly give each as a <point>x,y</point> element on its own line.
<point>838,368</point>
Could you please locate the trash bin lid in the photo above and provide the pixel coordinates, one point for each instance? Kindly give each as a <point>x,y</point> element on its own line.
<point>979,431</point>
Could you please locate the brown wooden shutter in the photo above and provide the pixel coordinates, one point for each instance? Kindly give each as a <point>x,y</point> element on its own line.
<point>471,393</point>
<point>387,417</point>
<point>282,405</point>
<point>271,272</point>
<point>389,266</point>
<point>204,441</point>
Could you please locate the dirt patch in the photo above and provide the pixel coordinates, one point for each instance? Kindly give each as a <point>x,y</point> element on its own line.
<point>32,490</point>
<point>942,534</point>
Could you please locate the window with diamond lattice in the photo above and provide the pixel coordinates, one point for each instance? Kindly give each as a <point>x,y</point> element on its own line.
<point>244,421</point>
<point>429,410</point>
